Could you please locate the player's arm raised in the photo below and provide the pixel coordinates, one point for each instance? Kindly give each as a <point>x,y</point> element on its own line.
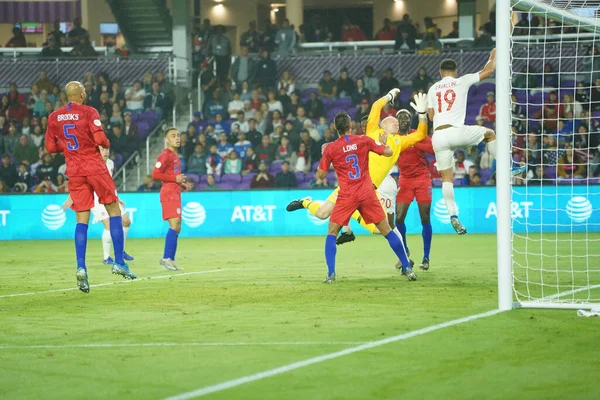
<point>324,164</point>
<point>420,106</point>
<point>426,146</point>
<point>490,66</point>
<point>375,113</point>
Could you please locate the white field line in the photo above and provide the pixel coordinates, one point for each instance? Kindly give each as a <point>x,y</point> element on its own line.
<point>192,344</point>
<point>568,292</point>
<point>325,357</point>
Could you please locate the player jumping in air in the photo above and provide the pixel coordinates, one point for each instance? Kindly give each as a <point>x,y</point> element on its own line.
<point>76,130</point>
<point>414,182</point>
<point>350,158</point>
<point>447,101</point>
<point>379,166</point>
<point>168,170</point>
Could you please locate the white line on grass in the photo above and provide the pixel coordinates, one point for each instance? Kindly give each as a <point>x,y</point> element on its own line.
<point>568,292</point>
<point>325,357</point>
<point>192,344</point>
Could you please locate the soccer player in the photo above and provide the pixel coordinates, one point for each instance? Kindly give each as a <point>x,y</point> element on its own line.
<point>349,155</point>
<point>168,170</point>
<point>414,182</point>
<point>76,130</point>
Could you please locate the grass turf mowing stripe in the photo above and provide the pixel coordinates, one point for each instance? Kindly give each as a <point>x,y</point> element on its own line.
<point>192,344</point>
<point>325,357</point>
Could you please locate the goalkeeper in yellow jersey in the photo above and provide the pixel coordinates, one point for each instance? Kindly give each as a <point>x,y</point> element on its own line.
<point>379,166</point>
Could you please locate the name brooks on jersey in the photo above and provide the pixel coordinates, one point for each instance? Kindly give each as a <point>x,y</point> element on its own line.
<point>67,117</point>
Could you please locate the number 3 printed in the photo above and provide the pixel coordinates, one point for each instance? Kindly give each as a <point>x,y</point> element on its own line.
<point>353,159</point>
<point>72,143</point>
<point>449,97</point>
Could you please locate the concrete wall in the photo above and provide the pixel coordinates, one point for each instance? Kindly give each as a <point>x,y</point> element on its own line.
<point>93,13</point>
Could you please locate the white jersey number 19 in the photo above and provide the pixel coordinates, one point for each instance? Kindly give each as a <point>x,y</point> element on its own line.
<point>449,96</point>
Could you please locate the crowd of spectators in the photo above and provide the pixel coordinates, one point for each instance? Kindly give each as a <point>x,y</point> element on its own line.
<point>127,116</point>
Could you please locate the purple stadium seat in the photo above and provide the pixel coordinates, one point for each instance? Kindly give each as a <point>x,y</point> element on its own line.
<point>248,178</point>
<point>595,114</point>
<point>200,186</point>
<point>568,84</point>
<point>485,87</point>
<point>436,182</point>
<point>135,117</point>
<point>331,177</point>
<point>304,185</point>
<point>307,92</point>
<point>275,167</point>
<point>226,186</point>
<point>299,177</point>
<point>458,182</point>
<point>231,178</point>
<point>405,94</point>
<point>484,174</point>
<point>118,160</point>
<point>550,172</point>
<point>327,102</point>
<point>343,102</point>
<point>195,178</point>
<point>352,112</point>
<point>315,166</point>
<point>143,129</point>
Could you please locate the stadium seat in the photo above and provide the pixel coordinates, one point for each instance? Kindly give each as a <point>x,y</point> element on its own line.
<point>484,174</point>
<point>248,177</point>
<point>195,178</point>
<point>304,185</point>
<point>275,167</point>
<point>331,177</point>
<point>231,178</point>
<point>550,172</point>
<point>299,177</point>
<point>226,186</point>
<point>315,166</point>
<point>459,182</point>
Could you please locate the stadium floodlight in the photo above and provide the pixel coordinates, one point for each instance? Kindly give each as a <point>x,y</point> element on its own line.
<point>548,257</point>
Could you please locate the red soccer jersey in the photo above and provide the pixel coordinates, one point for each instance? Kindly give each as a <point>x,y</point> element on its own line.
<point>76,130</point>
<point>350,157</point>
<point>166,169</point>
<point>412,163</point>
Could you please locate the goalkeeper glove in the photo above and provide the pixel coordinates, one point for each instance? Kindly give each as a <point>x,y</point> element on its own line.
<point>420,103</point>
<point>391,95</point>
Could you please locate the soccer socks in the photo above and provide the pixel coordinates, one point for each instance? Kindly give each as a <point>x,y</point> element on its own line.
<point>106,243</point>
<point>125,231</point>
<point>330,251</point>
<point>117,235</point>
<point>395,242</point>
<point>81,244</point>
<point>358,218</point>
<point>311,206</point>
<point>175,246</point>
<point>492,148</point>
<point>427,234</point>
<point>170,244</point>
<point>448,193</point>
<point>402,229</point>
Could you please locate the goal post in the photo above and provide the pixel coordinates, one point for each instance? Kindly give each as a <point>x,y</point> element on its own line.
<point>548,118</point>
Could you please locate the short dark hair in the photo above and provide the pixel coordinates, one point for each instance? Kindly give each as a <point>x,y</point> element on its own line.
<point>342,122</point>
<point>448,65</point>
<point>168,130</point>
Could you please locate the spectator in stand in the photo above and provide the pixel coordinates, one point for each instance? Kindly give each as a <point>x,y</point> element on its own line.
<point>4,187</point>
<point>214,163</point>
<point>240,122</point>
<point>39,107</point>
<point>321,126</point>
<point>284,150</point>
<point>314,107</point>
<point>484,40</point>
<point>527,78</point>
<point>388,111</point>
<point>254,136</point>
<point>215,105</point>
<point>363,109</point>
<point>251,38</point>
<point>345,85</point>
<point>167,88</point>
<point>312,146</point>
<point>11,141</point>
<point>461,165</point>
<point>46,186</point>
<point>156,101</point>
<point>268,36</point>
<point>490,26</point>
<point>256,101</point>
<point>327,86</point>
<point>245,92</point>
<point>570,105</point>
<point>48,108</point>
<point>406,35</point>
<point>24,179</point>
<point>84,49</point>
<point>517,109</point>
<point>273,103</point>
<point>186,147</point>
<point>595,95</point>
<point>26,128</point>
<point>208,80</point>
<point>286,39</point>
<point>211,183</point>
<point>17,39</point>
<point>262,180</point>
<point>551,112</point>
<point>62,184</point>
<point>351,32</point>
<point>57,34</point>
<point>285,101</point>
<point>549,77</point>
<point>220,125</point>
<point>250,162</point>
<point>388,82</point>
<point>286,82</point>
<point>522,27</point>
<point>430,41</point>
<point>148,185</point>
<point>474,180</point>
<point>201,37</point>
<point>14,95</point>
<point>284,178</point>
<point>44,84</point>
<point>454,32</point>
<point>241,145</point>
<point>488,110</point>
<point>301,160</point>
<point>243,68</point>
<point>312,132</point>
<point>233,164</point>
<point>266,150</point>
<point>421,81</point>
<point>38,137</point>
<point>115,115</point>
<point>581,139</point>
<point>104,106</point>
<point>571,166</point>
<point>17,112</point>
<point>25,151</point>
<point>134,97</point>
<point>118,141</point>
<point>266,75</point>
<point>197,161</point>
<point>77,33</point>
<point>219,47</point>
<point>130,129</point>
<point>4,104</point>
<point>371,82</point>
<point>294,105</point>
<point>388,32</point>
<point>276,120</point>
<point>223,146</point>
<point>8,172</point>
<point>46,168</point>
<point>360,93</point>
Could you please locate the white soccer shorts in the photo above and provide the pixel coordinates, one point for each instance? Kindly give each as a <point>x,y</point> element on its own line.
<point>100,213</point>
<point>447,140</point>
<point>387,194</point>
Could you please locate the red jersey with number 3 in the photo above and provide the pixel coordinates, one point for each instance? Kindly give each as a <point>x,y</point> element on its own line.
<point>73,127</point>
<point>412,163</point>
<point>350,157</point>
<point>448,98</point>
<point>166,169</point>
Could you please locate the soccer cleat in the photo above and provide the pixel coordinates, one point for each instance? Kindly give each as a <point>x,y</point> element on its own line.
<point>519,170</point>
<point>82,280</point>
<point>409,273</point>
<point>108,261</point>
<point>399,265</point>
<point>297,204</point>
<point>168,264</point>
<point>424,264</point>
<point>458,227</point>
<point>345,237</point>
<point>123,270</point>
<point>330,279</point>
<point>127,257</point>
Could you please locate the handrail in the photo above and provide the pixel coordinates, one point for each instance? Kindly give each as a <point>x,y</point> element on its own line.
<point>156,129</point>
<point>369,43</point>
<point>124,169</point>
<point>37,50</point>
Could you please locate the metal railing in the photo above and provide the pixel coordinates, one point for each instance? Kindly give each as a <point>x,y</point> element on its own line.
<point>27,51</point>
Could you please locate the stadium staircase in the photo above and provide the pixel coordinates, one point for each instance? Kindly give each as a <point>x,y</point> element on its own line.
<point>145,24</point>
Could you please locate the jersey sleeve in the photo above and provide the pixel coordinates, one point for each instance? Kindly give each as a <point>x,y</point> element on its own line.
<point>94,123</point>
<point>375,147</point>
<point>52,143</point>
<point>471,79</point>
<point>426,146</point>
<point>325,160</point>
<point>374,115</point>
<point>413,138</point>
<point>160,168</point>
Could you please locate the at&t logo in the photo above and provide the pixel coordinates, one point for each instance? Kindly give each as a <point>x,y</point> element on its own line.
<point>579,209</point>
<point>253,213</point>
<point>441,212</point>
<point>53,217</point>
<point>193,214</point>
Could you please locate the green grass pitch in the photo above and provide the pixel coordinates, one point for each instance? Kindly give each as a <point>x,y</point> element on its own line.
<point>260,305</point>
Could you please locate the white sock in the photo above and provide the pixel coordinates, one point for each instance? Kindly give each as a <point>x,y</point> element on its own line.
<point>492,148</point>
<point>106,243</point>
<point>448,193</point>
<point>347,229</point>
<point>397,232</point>
<point>125,230</point>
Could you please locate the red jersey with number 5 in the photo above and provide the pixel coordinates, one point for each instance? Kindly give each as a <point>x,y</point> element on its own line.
<point>350,157</point>
<point>448,98</point>
<point>166,169</point>
<point>76,130</point>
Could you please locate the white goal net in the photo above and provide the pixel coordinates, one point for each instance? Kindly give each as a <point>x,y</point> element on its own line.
<point>555,120</point>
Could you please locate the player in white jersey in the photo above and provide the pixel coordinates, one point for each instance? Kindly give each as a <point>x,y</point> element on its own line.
<point>447,107</point>
<point>101,215</point>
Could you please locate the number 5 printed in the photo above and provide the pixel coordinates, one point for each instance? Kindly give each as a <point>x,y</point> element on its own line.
<point>449,97</point>
<point>72,143</point>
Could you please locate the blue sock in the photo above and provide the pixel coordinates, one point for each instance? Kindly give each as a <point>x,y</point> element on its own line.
<point>396,245</point>
<point>402,229</point>
<point>116,234</point>
<point>175,247</point>
<point>330,250</point>
<point>170,244</point>
<point>427,234</point>
<point>81,244</point>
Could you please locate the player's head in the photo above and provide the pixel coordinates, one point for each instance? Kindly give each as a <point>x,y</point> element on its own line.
<point>104,152</point>
<point>448,67</point>
<point>75,92</point>
<point>342,123</point>
<point>389,125</point>
<point>363,124</point>
<point>403,116</point>
<point>172,137</point>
